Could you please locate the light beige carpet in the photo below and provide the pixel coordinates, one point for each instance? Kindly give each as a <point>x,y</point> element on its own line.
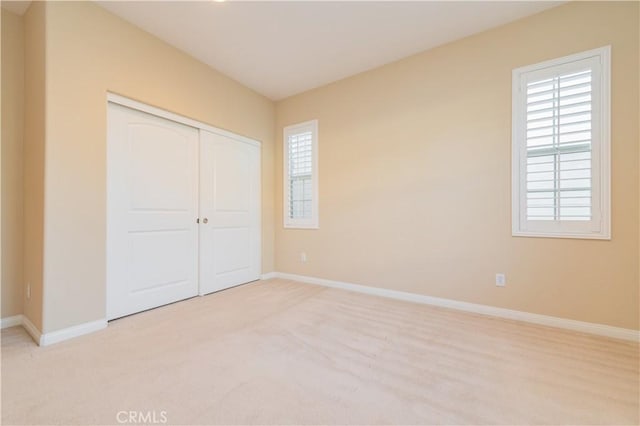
<point>289,353</point>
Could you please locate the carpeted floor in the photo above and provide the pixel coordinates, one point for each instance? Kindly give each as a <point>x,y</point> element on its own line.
<point>289,353</point>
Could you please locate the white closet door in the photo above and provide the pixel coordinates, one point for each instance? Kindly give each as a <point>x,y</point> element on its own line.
<point>229,212</point>
<point>152,190</point>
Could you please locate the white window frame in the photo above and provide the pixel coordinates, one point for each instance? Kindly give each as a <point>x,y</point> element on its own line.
<point>600,225</point>
<point>313,222</point>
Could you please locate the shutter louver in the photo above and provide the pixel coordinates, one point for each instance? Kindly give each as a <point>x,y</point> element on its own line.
<point>559,147</point>
<point>300,174</point>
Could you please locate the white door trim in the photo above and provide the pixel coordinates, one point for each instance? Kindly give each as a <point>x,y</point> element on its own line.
<point>159,112</point>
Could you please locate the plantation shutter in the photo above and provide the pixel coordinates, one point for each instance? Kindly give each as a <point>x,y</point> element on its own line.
<point>560,124</point>
<point>300,175</point>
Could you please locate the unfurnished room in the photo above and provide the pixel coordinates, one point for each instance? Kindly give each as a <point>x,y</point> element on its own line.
<point>320,212</point>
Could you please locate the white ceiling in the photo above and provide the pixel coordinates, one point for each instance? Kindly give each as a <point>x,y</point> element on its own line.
<point>283,48</point>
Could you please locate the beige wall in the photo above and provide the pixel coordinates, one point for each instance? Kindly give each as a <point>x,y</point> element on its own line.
<point>34,139</point>
<point>12,137</point>
<point>415,175</point>
<point>396,210</point>
<point>89,52</point>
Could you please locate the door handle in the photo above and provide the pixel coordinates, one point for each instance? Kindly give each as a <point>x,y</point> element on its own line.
<point>205,220</point>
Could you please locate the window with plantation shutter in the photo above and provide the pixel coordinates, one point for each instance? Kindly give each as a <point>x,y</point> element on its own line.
<point>561,147</point>
<point>301,175</point>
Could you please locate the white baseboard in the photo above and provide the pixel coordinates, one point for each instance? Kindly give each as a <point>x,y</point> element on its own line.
<point>71,332</point>
<point>44,339</point>
<point>268,276</point>
<point>568,324</point>
<point>11,321</point>
<point>33,331</point>
<point>25,323</point>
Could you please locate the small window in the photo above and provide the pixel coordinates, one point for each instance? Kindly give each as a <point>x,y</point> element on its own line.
<point>301,175</point>
<point>561,148</point>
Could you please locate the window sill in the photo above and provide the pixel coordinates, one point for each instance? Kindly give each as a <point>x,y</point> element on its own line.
<point>301,226</point>
<point>565,235</point>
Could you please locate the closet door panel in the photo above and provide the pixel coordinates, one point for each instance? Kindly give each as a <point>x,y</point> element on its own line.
<point>152,239</point>
<point>229,212</point>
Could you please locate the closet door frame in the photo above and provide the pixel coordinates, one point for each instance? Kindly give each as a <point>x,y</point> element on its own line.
<point>133,104</point>
<point>159,112</point>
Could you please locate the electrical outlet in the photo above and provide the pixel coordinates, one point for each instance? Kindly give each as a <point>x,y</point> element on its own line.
<point>28,291</point>
<point>303,257</point>
<point>501,280</point>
